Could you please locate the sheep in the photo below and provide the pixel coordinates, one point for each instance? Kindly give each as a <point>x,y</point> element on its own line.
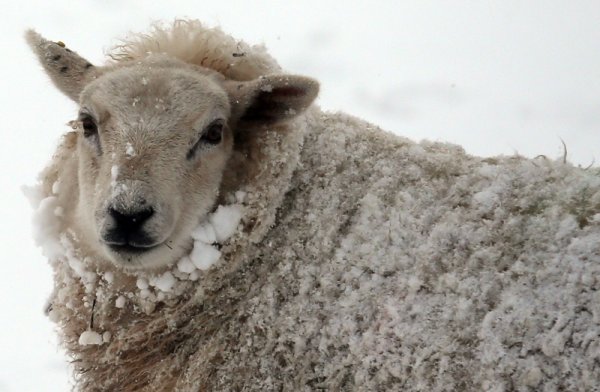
<point>210,228</point>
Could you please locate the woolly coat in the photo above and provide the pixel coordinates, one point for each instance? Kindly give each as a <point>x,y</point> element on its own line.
<point>364,262</point>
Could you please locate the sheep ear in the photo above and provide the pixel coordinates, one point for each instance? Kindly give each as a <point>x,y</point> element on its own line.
<point>69,71</point>
<point>271,99</point>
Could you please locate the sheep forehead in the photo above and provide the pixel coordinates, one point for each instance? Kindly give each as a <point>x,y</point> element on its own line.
<point>162,95</point>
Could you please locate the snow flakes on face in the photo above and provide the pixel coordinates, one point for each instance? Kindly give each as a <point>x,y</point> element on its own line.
<point>114,173</point>
<point>117,188</point>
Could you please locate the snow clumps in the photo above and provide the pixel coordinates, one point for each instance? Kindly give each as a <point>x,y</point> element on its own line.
<point>151,288</point>
<point>219,226</point>
<point>90,337</point>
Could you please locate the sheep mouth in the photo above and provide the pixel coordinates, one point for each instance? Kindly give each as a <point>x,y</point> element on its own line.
<point>131,249</point>
<point>122,241</point>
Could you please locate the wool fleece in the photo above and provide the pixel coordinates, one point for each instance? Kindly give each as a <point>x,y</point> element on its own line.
<point>363,261</point>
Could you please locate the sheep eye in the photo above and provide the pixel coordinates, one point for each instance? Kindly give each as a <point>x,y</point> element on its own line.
<point>211,136</point>
<point>213,133</point>
<point>89,126</point>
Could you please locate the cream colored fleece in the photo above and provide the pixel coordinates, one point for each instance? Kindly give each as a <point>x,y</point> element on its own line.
<point>365,262</point>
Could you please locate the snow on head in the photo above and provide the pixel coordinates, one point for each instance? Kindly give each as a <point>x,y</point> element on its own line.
<point>114,173</point>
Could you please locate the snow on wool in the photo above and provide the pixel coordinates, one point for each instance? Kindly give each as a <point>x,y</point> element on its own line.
<point>90,337</point>
<point>350,259</point>
<point>224,220</point>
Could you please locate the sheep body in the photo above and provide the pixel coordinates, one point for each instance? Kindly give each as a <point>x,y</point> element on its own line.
<point>364,261</point>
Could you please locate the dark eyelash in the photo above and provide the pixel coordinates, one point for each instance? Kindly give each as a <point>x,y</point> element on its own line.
<point>90,131</point>
<point>211,135</point>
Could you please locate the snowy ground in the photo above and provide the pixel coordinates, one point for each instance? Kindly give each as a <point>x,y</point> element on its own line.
<point>497,77</point>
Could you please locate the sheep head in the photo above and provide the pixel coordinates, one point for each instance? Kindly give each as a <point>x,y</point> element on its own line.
<point>153,140</point>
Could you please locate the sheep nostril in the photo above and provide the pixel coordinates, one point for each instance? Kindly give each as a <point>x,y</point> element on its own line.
<point>130,220</point>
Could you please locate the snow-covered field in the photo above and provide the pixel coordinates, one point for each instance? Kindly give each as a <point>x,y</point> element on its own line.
<point>497,77</point>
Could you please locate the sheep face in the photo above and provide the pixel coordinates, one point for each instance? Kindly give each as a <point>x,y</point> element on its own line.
<point>154,139</point>
<point>153,144</point>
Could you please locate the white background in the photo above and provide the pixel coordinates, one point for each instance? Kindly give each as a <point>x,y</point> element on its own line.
<point>497,77</point>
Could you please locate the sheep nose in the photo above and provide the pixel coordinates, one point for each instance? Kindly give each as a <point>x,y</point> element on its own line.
<point>130,221</point>
<point>127,231</point>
